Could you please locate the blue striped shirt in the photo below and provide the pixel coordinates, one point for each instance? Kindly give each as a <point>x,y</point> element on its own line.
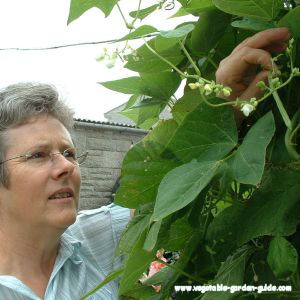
<point>86,256</point>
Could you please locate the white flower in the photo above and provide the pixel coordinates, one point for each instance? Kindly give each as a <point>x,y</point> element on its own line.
<point>102,55</point>
<point>110,63</point>
<point>247,109</point>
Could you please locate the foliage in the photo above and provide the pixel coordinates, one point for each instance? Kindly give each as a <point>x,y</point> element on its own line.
<point>225,199</point>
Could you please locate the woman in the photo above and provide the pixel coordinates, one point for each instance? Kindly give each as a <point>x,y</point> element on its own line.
<point>46,251</point>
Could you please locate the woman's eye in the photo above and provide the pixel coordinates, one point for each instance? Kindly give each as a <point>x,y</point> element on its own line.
<point>37,155</point>
<point>69,153</point>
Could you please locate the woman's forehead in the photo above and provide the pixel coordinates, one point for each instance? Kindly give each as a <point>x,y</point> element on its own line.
<point>39,130</point>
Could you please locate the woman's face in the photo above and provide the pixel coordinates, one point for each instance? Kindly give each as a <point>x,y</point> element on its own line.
<point>44,195</point>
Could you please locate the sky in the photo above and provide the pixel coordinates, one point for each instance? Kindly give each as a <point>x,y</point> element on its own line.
<point>74,70</point>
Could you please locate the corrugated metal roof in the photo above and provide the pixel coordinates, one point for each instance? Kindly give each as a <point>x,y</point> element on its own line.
<point>104,123</point>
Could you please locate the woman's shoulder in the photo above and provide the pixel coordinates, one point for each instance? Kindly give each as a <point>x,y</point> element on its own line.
<point>107,222</point>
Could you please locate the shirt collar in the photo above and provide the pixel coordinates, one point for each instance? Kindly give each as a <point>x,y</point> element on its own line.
<point>70,248</point>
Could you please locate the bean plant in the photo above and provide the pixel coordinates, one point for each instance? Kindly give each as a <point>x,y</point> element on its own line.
<point>223,198</point>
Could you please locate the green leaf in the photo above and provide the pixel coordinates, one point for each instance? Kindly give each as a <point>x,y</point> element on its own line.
<point>181,186</point>
<point>258,9</point>
<point>206,134</point>
<point>137,263</point>
<point>78,7</point>
<point>129,85</point>
<point>274,208</point>
<point>110,277</point>
<point>162,43</point>
<point>252,24</point>
<point>185,105</point>
<point>147,62</point>
<point>291,20</point>
<point>143,167</point>
<point>144,113</point>
<point>132,100</point>
<point>209,29</point>
<point>248,163</point>
<point>160,85</point>
<point>282,257</point>
<point>140,31</point>
<point>130,236</point>
<point>143,13</point>
<point>231,273</point>
<point>179,234</point>
<point>179,32</point>
<point>152,236</point>
<point>198,6</point>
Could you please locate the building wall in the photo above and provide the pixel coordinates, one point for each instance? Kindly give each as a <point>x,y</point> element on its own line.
<point>107,146</point>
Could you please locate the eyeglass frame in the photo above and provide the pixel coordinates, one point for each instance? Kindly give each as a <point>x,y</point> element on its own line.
<point>28,155</point>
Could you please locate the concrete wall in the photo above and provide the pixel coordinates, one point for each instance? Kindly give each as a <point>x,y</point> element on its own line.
<point>107,146</point>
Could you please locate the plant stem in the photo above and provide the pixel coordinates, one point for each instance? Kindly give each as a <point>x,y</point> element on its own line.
<point>234,103</point>
<point>122,15</point>
<point>282,110</point>
<point>189,58</point>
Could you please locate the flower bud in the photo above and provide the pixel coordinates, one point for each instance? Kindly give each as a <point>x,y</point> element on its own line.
<point>208,89</point>
<point>261,85</point>
<point>193,85</point>
<point>227,91</point>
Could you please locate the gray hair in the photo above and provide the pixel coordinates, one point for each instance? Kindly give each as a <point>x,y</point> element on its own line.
<point>21,101</point>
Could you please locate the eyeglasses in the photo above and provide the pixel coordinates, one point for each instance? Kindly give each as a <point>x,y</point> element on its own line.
<point>42,157</point>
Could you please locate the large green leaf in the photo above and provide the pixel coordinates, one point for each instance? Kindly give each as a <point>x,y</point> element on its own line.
<point>248,163</point>
<point>205,134</point>
<point>137,263</point>
<point>143,13</point>
<point>144,116</point>
<point>268,209</point>
<point>140,31</point>
<point>186,104</point>
<point>209,29</point>
<point>160,85</point>
<point>78,7</point>
<point>274,209</point>
<point>257,9</point>
<point>132,233</point>
<point>181,186</point>
<point>179,234</point>
<point>147,62</point>
<point>282,257</point>
<point>291,20</point>
<point>231,273</point>
<point>129,85</point>
<point>143,168</point>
